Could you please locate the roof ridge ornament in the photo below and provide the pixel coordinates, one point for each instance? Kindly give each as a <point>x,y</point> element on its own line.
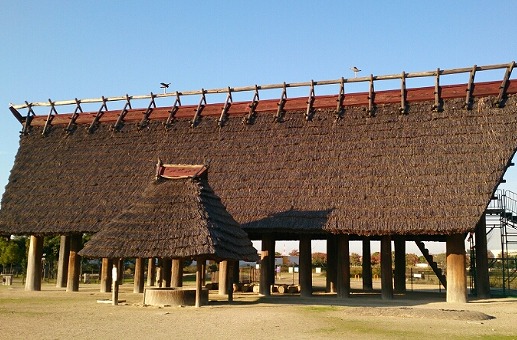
<point>145,120</point>
<point>501,99</point>
<point>52,113</point>
<point>71,125</point>
<point>340,108</point>
<point>98,116</point>
<point>120,120</point>
<point>227,104</point>
<point>180,171</point>
<point>371,98</point>
<point>172,112</point>
<point>280,112</point>
<point>438,102</point>
<point>470,88</point>
<point>250,117</point>
<point>200,107</point>
<point>403,93</point>
<point>310,102</point>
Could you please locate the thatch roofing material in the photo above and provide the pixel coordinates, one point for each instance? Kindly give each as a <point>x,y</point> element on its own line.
<point>425,172</point>
<point>175,218</point>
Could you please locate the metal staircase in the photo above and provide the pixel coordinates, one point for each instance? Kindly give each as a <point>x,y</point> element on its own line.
<point>432,263</point>
<point>501,217</point>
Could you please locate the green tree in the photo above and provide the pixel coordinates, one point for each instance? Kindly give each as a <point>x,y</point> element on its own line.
<point>294,252</point>
<point>355,259</point>
<point>376,258</point>
<point>319,260</point>
<point>10,254</point>
<point>411,260</point>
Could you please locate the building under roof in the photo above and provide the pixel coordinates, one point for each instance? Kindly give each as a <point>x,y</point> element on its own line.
<point>410,163</point>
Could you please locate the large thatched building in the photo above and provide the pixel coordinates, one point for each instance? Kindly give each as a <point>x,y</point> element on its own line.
<point>399,165</point>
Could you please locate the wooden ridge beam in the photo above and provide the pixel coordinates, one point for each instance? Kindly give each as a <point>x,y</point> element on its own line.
<point>291,104</point>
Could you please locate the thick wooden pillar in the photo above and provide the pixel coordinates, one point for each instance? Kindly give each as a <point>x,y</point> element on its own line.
<point>343,266</point>
<point>223,276</point>
<point>74,263</point>
<point>199,280</point>
<point>231,278</point>
<point>331,264</point>
<point>203,273</point>
<point>166,272</point>
<point>151,272</point>
<point>482,278</point>
<point>177,273</point>
<point>33,281</point>
<point>367,265</point>
<point>305,266</point>
<point>62,264</point>
<point>106,269</point>
<point>138,284</point>
<point>386,268</point>
<point>400,265</point>
<point>236,272</point>
<point>456,271</point>
<point>119,263</point>
<point>267,259</point>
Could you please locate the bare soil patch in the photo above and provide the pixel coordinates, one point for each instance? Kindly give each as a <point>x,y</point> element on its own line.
<point>55,314</point>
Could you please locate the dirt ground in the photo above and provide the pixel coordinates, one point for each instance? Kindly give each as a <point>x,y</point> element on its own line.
<point>55,314</point>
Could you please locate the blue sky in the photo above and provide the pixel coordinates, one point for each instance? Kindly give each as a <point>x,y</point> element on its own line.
<point>88,49</point>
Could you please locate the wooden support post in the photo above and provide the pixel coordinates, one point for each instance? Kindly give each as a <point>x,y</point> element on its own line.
<point>166,272</point>
<point>151,272</point>
<point>203,274</point>
<point>223,276</point>
<point>331,264</point>
<point>231,278</point>
<point>386,268</point>
<point>138,285</point>
<point>482,278</point>
<point>236,273</point>
<point>33,281</point>
<point>62,264</point>
<point>305,266</point>
<point>177,273</point>
<point>267,257</point>
<point>367,265</point>
<point>456,272</point>
<point>343,266</point>
<point>199,280</point>
<point>119,262</point>
<point>400,265</point>
<point>74,263</point>
<point>106,267</point>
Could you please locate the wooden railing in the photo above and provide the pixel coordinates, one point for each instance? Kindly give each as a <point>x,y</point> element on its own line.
<point>176,95</point>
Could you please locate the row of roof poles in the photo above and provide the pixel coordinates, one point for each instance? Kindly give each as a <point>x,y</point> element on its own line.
<point>256,88</point>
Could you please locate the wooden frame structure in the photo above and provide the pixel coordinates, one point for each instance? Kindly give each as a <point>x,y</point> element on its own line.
<point>401,101</point>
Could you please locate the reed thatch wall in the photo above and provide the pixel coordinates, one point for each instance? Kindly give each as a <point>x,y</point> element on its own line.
<point>423,173</point>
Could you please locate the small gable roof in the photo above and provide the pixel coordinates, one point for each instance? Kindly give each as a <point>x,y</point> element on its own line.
<point>177,216</point>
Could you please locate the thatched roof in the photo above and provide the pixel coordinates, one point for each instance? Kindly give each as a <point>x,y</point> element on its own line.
<point>420,173</point>
<point>177,216</point>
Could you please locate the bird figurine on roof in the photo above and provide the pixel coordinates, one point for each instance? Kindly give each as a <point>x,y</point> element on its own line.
<point>165,86</point>
<point>356,70</point>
